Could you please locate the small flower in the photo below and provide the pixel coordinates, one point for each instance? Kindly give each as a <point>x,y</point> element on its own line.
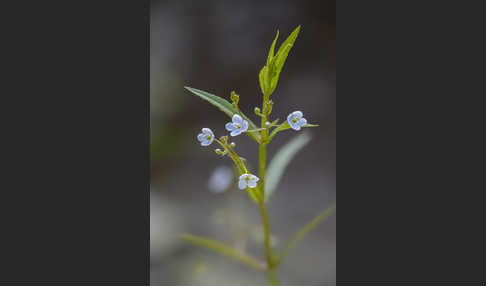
<point>206,137</point>
<point>247,180</point>
<point>220,179</point>
<point>296,120</point>
<point>238,125</point>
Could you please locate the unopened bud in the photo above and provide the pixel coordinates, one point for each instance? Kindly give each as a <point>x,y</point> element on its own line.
<point>267,124</point>
<point>232,145</point>
<point>224,139</point>
<point>235,98</point>
<point>257,111</point>
<point>270,107</point>
<point>218,151</point>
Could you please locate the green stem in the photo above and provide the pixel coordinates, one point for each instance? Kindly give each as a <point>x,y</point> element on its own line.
<point>272,278</point>
<point>236,159</point>
<point>266,235</point>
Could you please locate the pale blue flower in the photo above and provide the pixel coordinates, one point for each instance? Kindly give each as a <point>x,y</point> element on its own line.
<point>220,179</point>
<point>247,180</point>
<point>296,120</point>
<point>206,137</point>
<point>238,125</point>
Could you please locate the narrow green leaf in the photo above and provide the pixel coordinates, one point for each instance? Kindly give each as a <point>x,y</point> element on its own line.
<point>284,126</point>
<point>278,65</point>
<point>280,161</point>
<point>223,249</point>
<point>217,101</point>
<point>224,106</point>
<point>261,79</point>
<point>272,48</point>
<point>290,39</point>
<point>277,62</point>
<point>302,232</point>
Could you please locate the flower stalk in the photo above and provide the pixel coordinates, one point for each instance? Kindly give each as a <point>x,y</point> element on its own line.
<point>263,135</point>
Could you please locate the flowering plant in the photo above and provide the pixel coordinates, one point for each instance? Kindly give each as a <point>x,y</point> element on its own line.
<point>261,185</point>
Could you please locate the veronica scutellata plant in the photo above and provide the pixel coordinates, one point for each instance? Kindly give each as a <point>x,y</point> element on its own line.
<point>261,183</point>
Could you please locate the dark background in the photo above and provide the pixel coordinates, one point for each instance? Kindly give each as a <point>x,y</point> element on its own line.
<point>75,199</point>
<point>220,46</point>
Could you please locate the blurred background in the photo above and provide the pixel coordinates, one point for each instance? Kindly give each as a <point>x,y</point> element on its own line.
<point>220,46</point>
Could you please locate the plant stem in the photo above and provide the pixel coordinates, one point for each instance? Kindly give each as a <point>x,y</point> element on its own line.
<point>266,227</point>
<point>266,235</point>
<point>272,278</point>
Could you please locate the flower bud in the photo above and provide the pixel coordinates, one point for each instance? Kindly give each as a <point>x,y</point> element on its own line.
<point>267,107</point>
<point>235,98</point>
<point>268,124</point>
<point>224,139</point>
<point>232,144</point>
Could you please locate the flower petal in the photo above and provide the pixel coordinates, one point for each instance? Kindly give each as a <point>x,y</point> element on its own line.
<point>235,132</point>
<point>242,184</point>
<point>252,184</point>
<point>243,177</point>
<point>244,126</point>
<point>237,119</point>
<point>302,122</point>
<point>254,178</point>
<point>293,125</point>
<point>229,126</point>
<point>289,117</point>
<point>297,114</point>
<point>211,140</point>
<point>207,131</point>
<point>206,142</point>
<point>201,137</point>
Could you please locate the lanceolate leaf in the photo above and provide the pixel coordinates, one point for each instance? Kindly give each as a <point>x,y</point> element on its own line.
<point>280,161</point>
<point>223,249</point>
<point>262,78</point>
<point>272,48</point>
<point>290,39</point>
<point>278,61</point>
<point>224,106</point>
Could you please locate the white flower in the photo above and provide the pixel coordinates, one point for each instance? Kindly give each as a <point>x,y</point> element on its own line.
<point>221,179</point>
<point>247,180</point>
<point>238,125</point>
<point>296,120</point>
<point>206,137</point>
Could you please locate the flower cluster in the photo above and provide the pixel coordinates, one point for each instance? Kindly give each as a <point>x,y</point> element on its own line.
<point>238,126</point>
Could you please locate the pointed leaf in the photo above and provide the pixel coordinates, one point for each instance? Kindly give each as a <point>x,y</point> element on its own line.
<point>223,249</point>
<point>277,62</point>
<point>272,48</point>
<point>280,161</point>
<point>290,39</point>
<point>261,79</point>
<point>224,106</point>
